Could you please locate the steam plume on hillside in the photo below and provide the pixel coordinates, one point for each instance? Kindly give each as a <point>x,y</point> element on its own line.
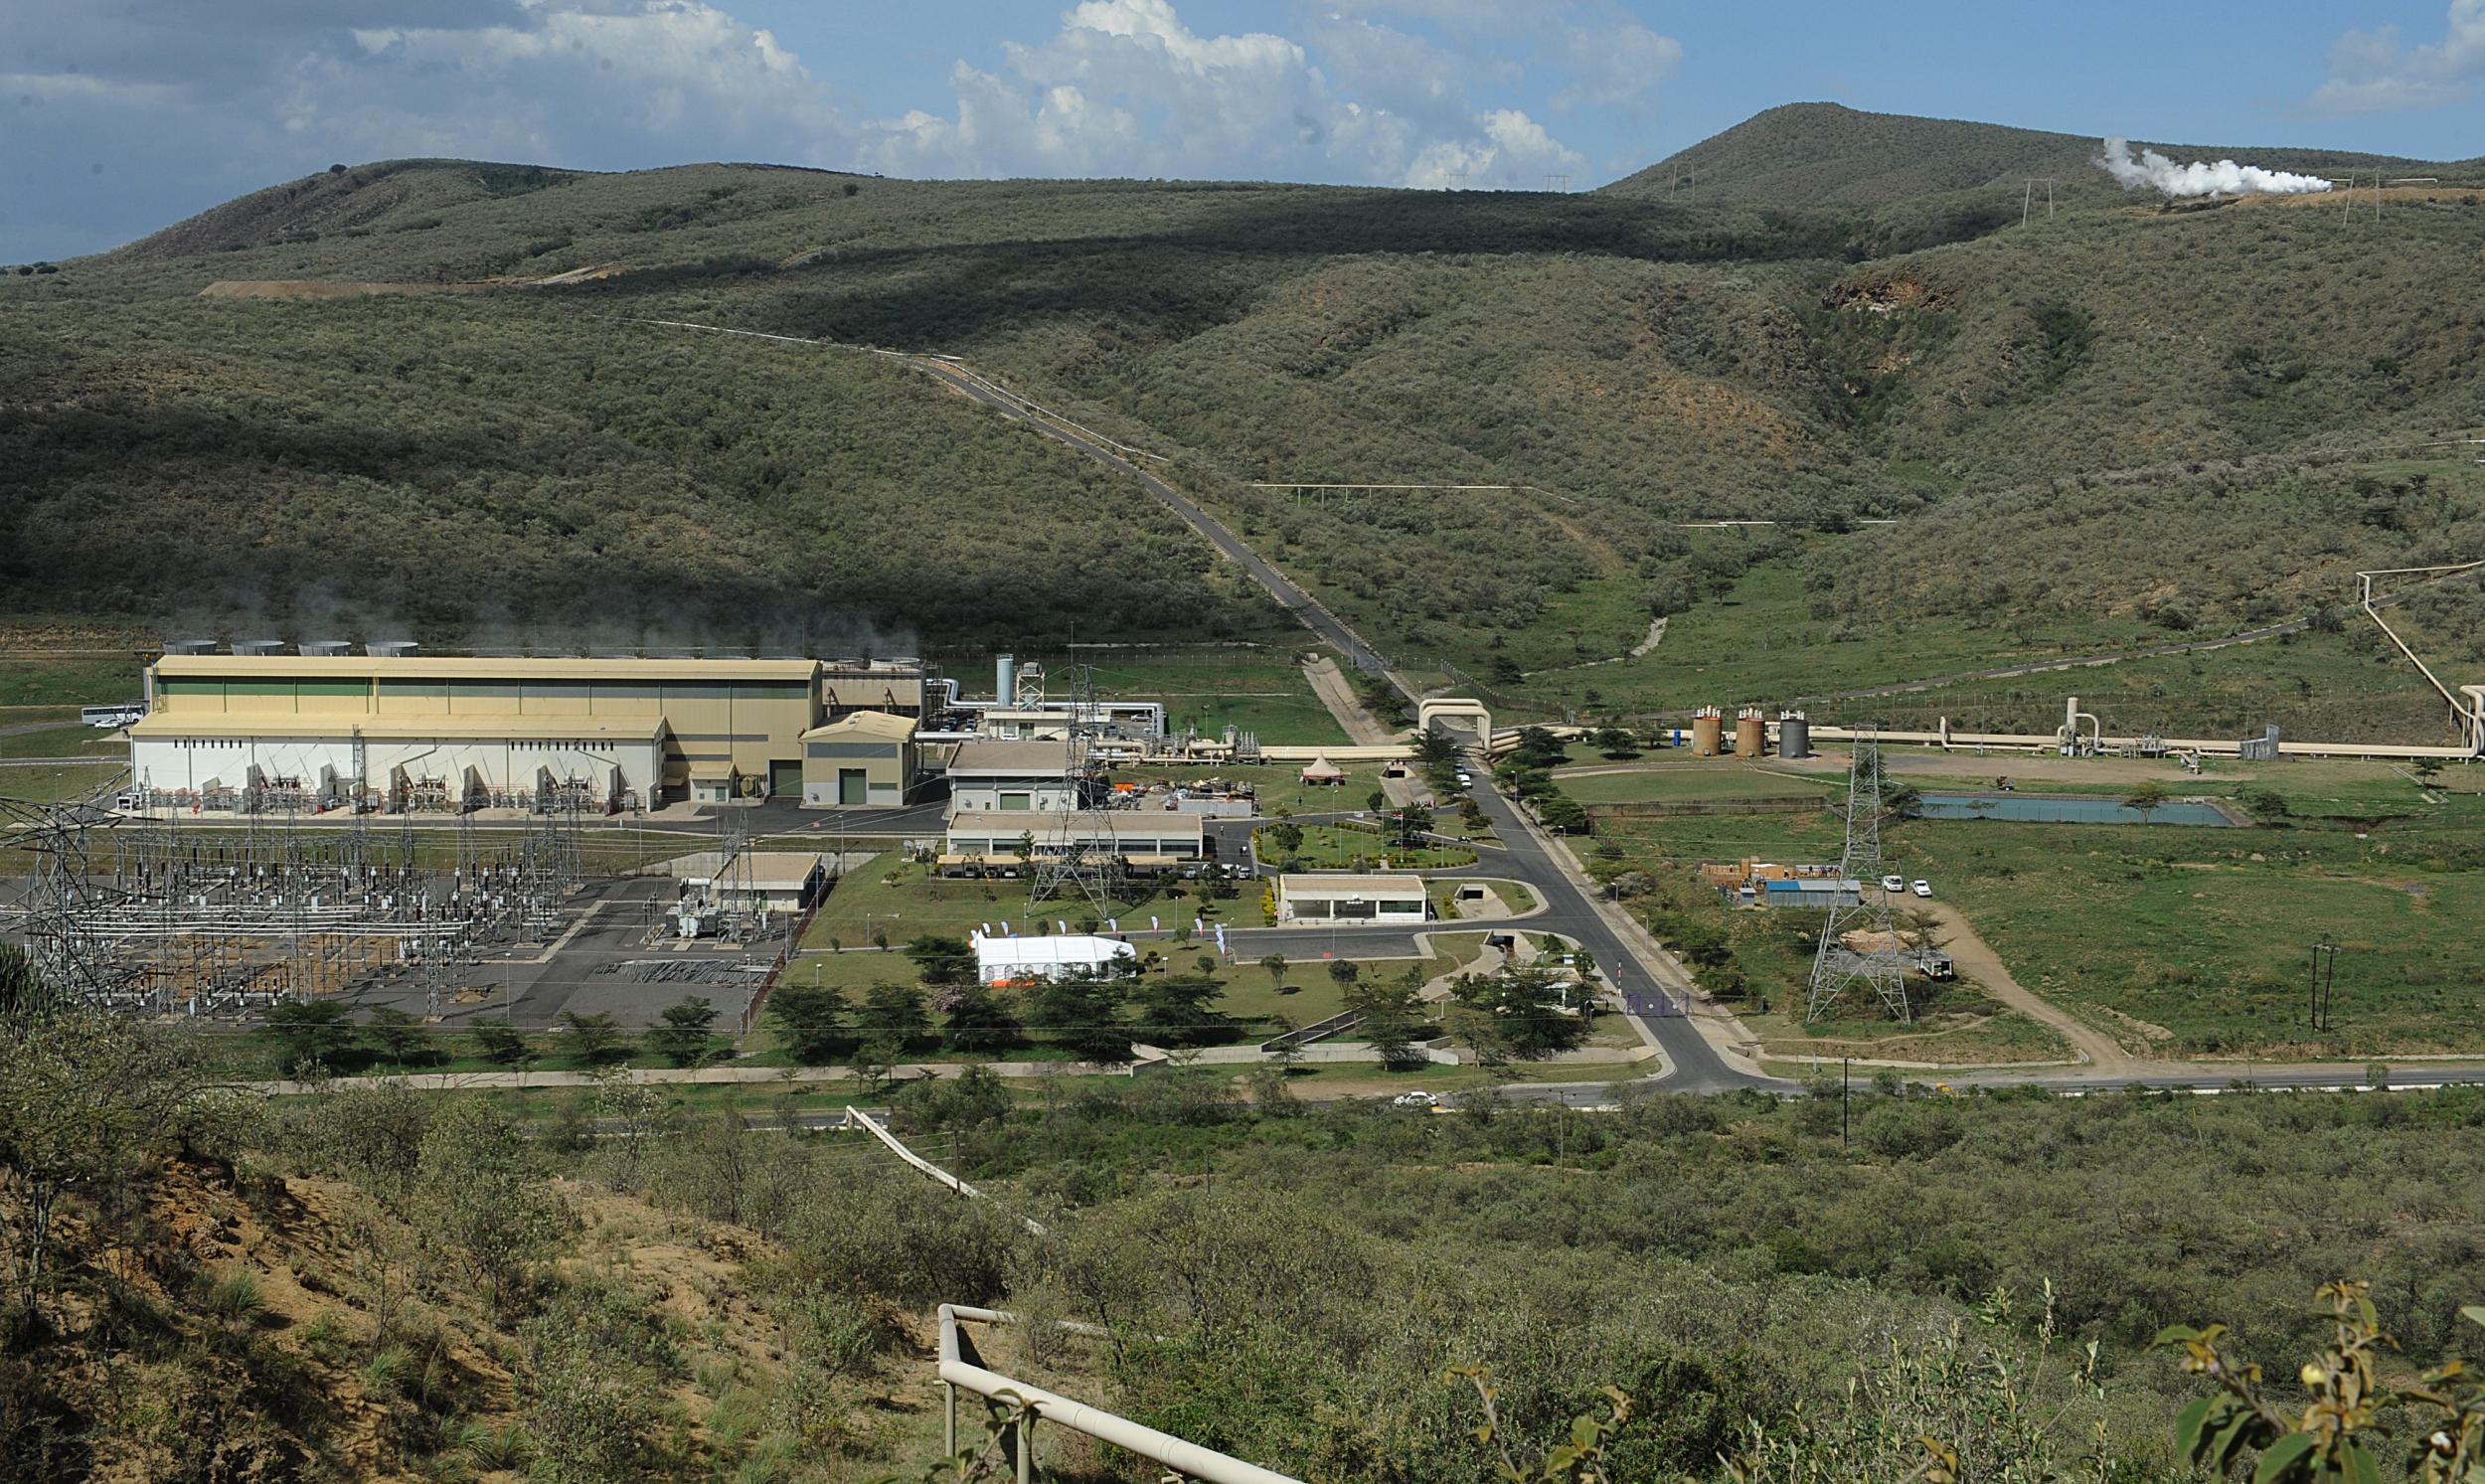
<point>2200,178</point>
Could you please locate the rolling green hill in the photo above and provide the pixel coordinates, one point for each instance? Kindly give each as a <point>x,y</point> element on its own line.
<point>1809,153</point>
<point>2117,423</point>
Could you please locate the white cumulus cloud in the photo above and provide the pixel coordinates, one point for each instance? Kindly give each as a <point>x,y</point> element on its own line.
<point>2373,71</point>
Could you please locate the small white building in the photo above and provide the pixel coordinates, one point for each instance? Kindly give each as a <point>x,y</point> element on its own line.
<point>1338,897</point>
<point>1024,960</point>
<point>781,880</point>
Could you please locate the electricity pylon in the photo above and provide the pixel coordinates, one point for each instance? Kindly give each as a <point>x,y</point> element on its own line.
<point>1837,968</point>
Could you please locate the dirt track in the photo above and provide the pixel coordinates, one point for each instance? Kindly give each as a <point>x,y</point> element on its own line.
<point>1976,960</point>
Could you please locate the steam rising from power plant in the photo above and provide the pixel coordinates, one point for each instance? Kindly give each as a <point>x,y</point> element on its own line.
<point>2200,178</point>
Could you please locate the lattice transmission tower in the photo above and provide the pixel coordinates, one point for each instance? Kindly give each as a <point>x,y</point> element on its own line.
<point>1081,856</point>
<point>1879,966</point>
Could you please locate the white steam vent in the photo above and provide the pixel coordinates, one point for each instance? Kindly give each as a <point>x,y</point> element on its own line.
<point>2200,178</point>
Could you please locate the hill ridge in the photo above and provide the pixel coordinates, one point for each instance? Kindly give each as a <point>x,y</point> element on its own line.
<point>1826,151</point>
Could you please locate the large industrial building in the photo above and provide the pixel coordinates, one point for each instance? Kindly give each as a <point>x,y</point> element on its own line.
<point>465,733</point>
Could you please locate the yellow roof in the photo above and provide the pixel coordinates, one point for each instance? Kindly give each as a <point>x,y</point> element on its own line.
<point>879,725</point>
<point>397,728</point>
<point>464,667</point>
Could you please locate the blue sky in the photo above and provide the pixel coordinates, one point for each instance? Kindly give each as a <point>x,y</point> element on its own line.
<point>126,114</point>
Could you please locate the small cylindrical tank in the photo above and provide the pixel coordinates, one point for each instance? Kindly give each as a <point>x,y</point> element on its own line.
<point>1708,726</point>
<point>1751,727</point>
<point>1005,678</point>
<point>1794,734</point>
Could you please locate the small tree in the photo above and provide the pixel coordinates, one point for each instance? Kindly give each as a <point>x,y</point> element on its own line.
<point>310,1034</point>
<point>1181,1010</point>
<point>1562,814</point>
<point>1285,838</point>
<point>477,1194</point>
<point>978,1021</point>
<point>811,1017</point>
<point>499,1042</point>
<point>1082,1012</point>
<point>401,1035</point>
<point>595,1038</point>
<point>683,1037</point>
<point>875,1059</point>
<point>894,1012</point>
<point>940,959</point>
<point>1274,963</point>
<point>1392,1020</point>
<point>85,1096</point>
<point>1344,971</point>
<point>2146,799</point>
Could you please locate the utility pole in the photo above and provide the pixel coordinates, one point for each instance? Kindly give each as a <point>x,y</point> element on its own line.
<point>1844,1105</point>
<point>2324,985</point>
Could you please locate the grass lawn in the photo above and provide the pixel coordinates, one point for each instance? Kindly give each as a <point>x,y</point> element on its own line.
<point>1759,644</point>
<point>2327,687</point>
<point>2199,940</point>
<point>68,679</point>
<point>1331,847</point>
<point>45,783</point>
<point>73,740</point>
<point>1959,1027</point>
<point>1690,782</point>
<point>901,901</point>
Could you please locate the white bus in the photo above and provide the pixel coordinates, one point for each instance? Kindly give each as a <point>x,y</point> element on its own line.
<point>112,718</point>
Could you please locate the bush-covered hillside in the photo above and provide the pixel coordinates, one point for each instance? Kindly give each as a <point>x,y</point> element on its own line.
<point>492,473</point>
<point>1805,152</point>
<point>1622,361</point>
<point>373,1282</point>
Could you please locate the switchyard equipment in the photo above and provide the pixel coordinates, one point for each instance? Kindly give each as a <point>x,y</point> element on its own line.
<point>164,919</point>
<point>1838,969</point>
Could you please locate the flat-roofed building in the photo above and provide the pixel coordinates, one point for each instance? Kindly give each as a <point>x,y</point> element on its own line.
<point>729,726</point>
<point>1010,776</point>
<point>1336,896</point>
<point>861,760</point>
<point>1129,833</point>
<point>778,881</point>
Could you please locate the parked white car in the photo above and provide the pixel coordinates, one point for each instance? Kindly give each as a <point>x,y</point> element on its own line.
<point>1893,883</point>
<point>1921,888</point>
<point>1417,1099</point>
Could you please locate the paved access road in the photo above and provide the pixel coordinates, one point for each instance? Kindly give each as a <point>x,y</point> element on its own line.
<point>1697,1066</point>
